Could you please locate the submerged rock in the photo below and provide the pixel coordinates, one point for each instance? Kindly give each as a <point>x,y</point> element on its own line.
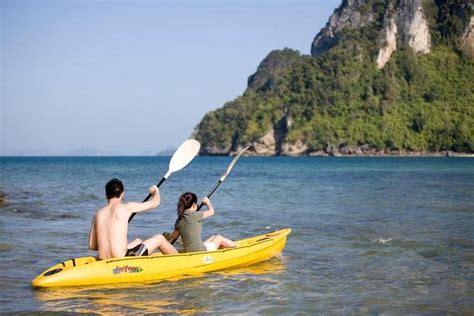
<point>3,199</point>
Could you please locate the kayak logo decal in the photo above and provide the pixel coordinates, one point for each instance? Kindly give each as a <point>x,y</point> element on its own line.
<point>127,269</point>
<point>207,259</point>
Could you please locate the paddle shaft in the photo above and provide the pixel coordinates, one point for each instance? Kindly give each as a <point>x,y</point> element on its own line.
<point>218,183</point>
<point>148,197</point>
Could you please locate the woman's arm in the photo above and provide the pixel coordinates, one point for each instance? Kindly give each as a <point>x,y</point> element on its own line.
<point>210,209</point>
<point>174,234</point>
<point>172,237</point>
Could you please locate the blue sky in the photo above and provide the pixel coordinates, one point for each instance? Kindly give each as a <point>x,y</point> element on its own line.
<point>133,77</point>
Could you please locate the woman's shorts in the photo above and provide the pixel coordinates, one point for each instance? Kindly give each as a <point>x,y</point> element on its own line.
<point>137,251</point>
<point>210,246</point>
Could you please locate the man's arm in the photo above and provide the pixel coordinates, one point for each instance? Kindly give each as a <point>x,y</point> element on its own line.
<point>154,202</point>
<point>93,236</point>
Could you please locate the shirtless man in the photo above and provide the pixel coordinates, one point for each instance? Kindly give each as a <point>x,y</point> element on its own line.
<point>109,226</point>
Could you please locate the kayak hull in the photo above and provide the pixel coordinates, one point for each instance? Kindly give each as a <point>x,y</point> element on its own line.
<point>90,271</point>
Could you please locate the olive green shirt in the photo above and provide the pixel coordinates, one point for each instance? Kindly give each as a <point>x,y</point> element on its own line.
<point>190,229</point>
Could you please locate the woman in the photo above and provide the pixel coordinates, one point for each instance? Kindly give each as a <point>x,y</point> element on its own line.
<point>189,225</point>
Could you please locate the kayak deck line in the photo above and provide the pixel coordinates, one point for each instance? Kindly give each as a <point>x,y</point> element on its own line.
<point>92,271</point>
<point>181,254</point>
<point>160,255</point>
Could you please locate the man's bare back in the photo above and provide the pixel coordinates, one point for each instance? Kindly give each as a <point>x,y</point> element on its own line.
<point>109,226</point>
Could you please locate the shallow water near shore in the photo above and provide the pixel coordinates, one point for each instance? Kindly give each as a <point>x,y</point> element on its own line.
<point>370,235</point>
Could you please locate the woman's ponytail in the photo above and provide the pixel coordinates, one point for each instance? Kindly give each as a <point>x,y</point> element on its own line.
<point>185,201</point>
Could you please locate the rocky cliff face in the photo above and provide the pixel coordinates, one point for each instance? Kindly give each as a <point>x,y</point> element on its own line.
<point>467,41</point>
<point>404,22</point>
<point>414,29</point>
<point>348,15</point>
<point>274,142</point>
<point>390,31</point>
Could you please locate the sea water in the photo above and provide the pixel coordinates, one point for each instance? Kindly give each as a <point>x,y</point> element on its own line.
<point>370,235</point>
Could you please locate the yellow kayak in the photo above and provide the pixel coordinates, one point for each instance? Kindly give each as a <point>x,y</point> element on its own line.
<point>90,271</point>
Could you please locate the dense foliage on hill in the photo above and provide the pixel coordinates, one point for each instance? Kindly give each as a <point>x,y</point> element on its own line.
<point>340,98</point>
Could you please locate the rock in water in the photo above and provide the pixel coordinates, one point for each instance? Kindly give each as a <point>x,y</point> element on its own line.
<point>3,199</point>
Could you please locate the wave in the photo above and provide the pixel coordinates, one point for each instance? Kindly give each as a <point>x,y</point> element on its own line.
<point>81,198</point>
<point>39,213</point>
<point>381,240</point>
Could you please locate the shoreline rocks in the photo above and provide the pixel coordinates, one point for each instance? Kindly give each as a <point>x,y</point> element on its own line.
<point>345,151</point>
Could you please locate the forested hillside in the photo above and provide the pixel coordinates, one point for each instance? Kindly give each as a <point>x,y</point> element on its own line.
<point>368,88</point>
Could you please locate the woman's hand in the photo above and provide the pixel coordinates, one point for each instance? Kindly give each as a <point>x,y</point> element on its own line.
<point>210,208</point>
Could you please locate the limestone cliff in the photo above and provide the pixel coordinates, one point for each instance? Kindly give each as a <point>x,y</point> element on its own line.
<point>467,42</point>
<point>410,19</point>
<point>348,16</point>
<point>404,22</point>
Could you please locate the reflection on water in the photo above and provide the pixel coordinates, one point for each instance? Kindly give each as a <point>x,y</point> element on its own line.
<point>274,266</point>
<point>104,300</point>
<point>185,295</point>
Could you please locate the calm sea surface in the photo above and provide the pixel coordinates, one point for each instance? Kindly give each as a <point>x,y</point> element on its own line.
<point>370,235</point>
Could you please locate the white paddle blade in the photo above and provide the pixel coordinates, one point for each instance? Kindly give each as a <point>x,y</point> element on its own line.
<point>183,155</point>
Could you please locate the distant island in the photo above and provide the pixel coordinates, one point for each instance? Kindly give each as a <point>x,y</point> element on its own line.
<point>384,77</point>
<point>80,152</point>
<point>168,151</point>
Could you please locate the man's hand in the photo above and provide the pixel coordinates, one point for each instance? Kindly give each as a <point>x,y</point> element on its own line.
<point>154,190</point>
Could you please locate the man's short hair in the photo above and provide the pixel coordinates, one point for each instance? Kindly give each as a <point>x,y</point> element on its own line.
<point>113,188</point>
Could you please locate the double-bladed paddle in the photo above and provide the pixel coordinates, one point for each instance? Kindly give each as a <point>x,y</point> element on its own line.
<point>221,179</point>
<point>180,159</point>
